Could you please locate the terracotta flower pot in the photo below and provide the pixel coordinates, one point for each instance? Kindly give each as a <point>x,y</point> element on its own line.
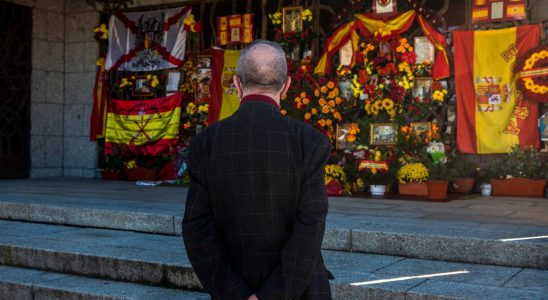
<point>140,173</point>
<point>437,189</point>
<point>518,187</point>
<point>463,185</point>
<point>413,189</point>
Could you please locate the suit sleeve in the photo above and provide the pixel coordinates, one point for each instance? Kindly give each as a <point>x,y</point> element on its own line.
<point>204,247</point>
<point>301,253</point>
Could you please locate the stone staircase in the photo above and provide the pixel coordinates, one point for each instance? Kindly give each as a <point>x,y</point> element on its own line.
<point>66,246</point>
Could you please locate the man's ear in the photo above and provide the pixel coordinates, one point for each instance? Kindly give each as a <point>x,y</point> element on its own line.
<point>238,85</point>
<point>285,87</point>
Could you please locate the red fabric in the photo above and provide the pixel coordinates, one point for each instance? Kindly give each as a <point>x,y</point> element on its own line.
<point>97,119</point>
<point>168,172</point>
<point>440,69</point>
<point>162,146</point>
<point>216,87</point>
<point>466,96</point>
<point>334,188</point>
<point>529,133</point>
<point>151,106</point>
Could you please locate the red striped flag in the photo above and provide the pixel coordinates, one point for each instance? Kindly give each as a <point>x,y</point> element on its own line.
<point>491,116</point>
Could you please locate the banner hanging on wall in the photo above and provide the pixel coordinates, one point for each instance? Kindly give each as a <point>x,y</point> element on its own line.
<point>491,115</point>
<point>146,127</point>
<point>224,97</point>
<point>147,41</point>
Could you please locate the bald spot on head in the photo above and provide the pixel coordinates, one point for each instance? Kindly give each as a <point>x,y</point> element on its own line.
<point>262,67</point>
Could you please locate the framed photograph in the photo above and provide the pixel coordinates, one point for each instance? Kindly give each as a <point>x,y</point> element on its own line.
<point>141,87</point>
<point>203,61</point>
<point>420,127</point>
<point>543,126</point>
<point>383,133</point>
<point>292,19</point>
<point>422,87</point>
<point>173,78</point>
<point>235,36</point>
<point>342,133</point>
<point>424,50</point>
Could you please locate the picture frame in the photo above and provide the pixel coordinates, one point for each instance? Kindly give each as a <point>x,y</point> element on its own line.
<point>173,79</point>
<point>140,87</point>
<point>383,133</point>
<point>203,76</point>
<point>420,127</point>
<point>543,127</point>
<point>341,133</point>
<point>422,87</point>
<point>292,20</point>
<point>424,50</point>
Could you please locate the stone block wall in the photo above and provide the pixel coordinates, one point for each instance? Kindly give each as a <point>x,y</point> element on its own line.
<point>81,50</point>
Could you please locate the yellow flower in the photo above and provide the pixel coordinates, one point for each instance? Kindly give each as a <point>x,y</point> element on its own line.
<point>306,101</point>
<point>100,61</point>
<point>387,103</point>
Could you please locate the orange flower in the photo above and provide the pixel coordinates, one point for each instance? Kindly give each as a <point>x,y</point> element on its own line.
<point>338,100</point>
<point>336,91</point>
<point>186,125</point>
<point>325,109</point>
<point>317,93</point>
<point>331,95</point>
<point>322,102</point>
<point>303,94</point>
<point>323,89</point>
<point>306,101</point>
<point>314,111</point>
<point>404,129</point>
<point>298,99</point>
<point>337,116</point>
<point>331,103</point>
<point>321,122</point>
<point>283,112</point>
<point>435,128</point>
<point>328,122</point>
<point>307,116</point>
<point>351,138</point>
<point>330,84</point>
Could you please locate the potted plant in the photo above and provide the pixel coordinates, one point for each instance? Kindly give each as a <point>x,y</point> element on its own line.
<point>376,169</point>
<point>520,173</point>
<point>411,179</point>
<point>113,167</point>
<point>438,175</point>
<point>137,169</point>
<point>335,180</point>
<point>463,171</point>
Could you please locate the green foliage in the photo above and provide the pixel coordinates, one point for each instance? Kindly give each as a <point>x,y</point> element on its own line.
<point>523,163</point>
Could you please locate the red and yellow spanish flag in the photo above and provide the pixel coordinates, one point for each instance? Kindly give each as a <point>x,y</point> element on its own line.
<point>146,127</point>
<point>491,116</point>
<point>224,97</point>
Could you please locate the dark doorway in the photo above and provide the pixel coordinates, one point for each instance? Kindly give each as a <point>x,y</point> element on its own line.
<point>15,71</point>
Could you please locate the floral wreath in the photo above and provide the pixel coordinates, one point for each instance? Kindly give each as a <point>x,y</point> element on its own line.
<point>532,74</point>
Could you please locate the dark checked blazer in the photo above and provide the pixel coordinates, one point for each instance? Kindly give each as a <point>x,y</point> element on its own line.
<point>256,206</point>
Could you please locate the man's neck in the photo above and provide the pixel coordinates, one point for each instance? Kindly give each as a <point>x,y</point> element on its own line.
<point>276,99</point>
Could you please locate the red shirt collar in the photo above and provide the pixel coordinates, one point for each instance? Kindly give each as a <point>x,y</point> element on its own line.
<point>259,98</point>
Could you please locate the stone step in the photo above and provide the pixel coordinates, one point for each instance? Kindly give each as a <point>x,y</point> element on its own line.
<point>469,242</point>
<point>22,284</point>
<point>160,260</point>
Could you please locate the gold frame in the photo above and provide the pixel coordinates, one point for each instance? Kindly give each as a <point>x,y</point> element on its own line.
<point>378,142</point>
<point>343,144</point>
<point>138,92</point>
<point>416,124</point>
<point>290,9</point>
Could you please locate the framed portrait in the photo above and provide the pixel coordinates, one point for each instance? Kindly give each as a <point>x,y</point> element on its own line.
<point>422,87</point>
<point>292,19</point>
<point>140,86</point>
<point>173,78</point>
<point>420,127</point>
<point>424,50</point>
<point>342,133</point>
<point>235,36</point>
<point>203,61</point>
<point>543,126</point>
<point>383,133</point>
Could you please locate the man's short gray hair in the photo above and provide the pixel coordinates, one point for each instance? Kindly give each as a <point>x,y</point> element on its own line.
<point>262,66</point>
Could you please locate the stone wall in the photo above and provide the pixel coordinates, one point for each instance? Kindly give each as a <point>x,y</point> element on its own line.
<point>81,50</point>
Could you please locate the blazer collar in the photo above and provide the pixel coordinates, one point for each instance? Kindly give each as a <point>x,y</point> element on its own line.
<point>259,98</point>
